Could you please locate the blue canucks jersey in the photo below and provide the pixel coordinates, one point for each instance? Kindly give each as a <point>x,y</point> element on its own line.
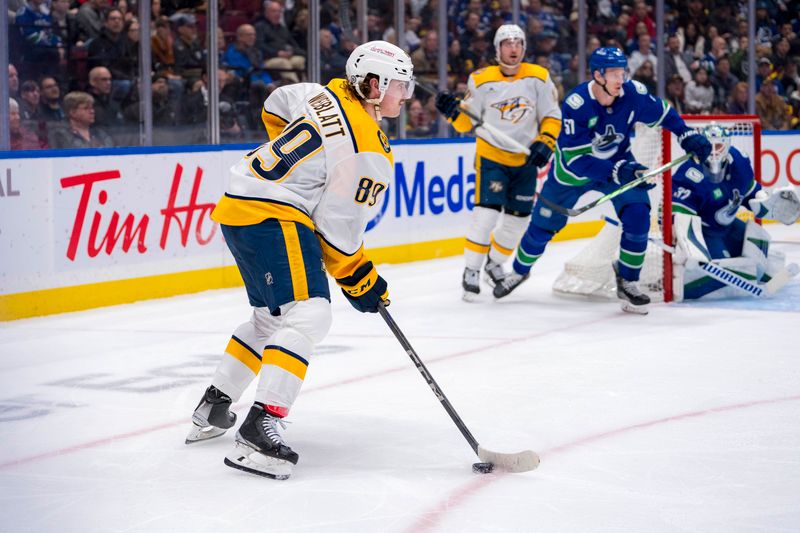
<point>716,204</point>
<point>594,137</point>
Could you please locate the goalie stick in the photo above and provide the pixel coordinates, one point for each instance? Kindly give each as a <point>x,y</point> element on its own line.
<point>573,212</point>
<point>728,277</point>
<point>510,462</point>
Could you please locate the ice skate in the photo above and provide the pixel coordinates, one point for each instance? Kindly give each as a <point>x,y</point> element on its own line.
<point>494,272</point>
<point>212,416</point>
<point>259,447</point>
<point>633,300</point>
<point>471,284</point>
<point>510,281</point>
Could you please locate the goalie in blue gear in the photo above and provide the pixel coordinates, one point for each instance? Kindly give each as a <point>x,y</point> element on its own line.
<point>711,194</point>
<point>593,153</point>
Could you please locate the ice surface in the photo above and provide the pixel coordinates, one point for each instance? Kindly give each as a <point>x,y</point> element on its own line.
<point>683,420</point>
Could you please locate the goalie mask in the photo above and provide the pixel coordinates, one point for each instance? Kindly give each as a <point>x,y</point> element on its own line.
<point>390,64</point>
<point>717,162</point>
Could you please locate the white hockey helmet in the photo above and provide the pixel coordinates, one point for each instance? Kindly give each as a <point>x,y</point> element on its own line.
<point>384,60</point>
<point>720,139</point>
<point>505,32</point>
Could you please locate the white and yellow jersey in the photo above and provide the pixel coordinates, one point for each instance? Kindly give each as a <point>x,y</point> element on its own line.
<point>326,166</point>
<point>522,106</point>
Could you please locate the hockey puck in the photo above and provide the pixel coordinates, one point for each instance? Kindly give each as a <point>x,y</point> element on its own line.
<point>482,468</point>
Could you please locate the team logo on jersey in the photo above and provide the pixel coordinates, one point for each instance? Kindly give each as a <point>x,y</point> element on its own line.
<point>605,145</point>
<point>495,186</point>
<point>384,142</point>
<point>513,109</point>
<point>725,215</point>
<point>268,278</point>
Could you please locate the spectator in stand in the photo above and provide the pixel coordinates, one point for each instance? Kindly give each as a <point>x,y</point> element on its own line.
<point>771,108</point>
<point>470,29</point>
<point>21,137</point>
<point>693,41</point>
<point>419,122</point>
<point>80,131</point>
<point>675,93</point>
<point>243,59</point>
<point>163,113</point>
<point>425,57</point>
<point>90,19</point>
<point>456,66</point>
<point>780,54</point>
<point>765,72</point>
<point>569,78</point>
<point>737,104</point>
<point>161,44</point>
<point>50,106</point>
<point>13,82</point>
<point>676,62</point>
<point>42,49</point>
<point>29,102</point>
<point>719,49</point>
<point>645,75</point>
<point>277,44</point>
<point>643,53</point>
<point>641,13</point>
<point>65,26</point>
<point>189,55</point>
<point>723,82</point>
<point>109,50</point>
<point>299,29</point>
<point>790,79</point>
<point>699,93</point>
<point>332,62</point>
<point>739,58</point>
<point>107,113</point>
<point>695,13</point>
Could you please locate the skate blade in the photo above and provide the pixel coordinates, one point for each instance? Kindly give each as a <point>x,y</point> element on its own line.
<point>248,459</point>
<point>199,434</point>
<point>470,296</point>
<point>634,309</point>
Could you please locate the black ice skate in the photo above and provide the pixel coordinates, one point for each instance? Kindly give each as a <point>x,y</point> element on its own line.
<point>471,284</point>
<point>510,281</point>
<point>633,300</point>
<point>212,416</point>
<point>260,449</point>
<point>494,272</point>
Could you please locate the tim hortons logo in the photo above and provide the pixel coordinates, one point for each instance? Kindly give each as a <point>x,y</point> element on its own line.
<point>126,229</point>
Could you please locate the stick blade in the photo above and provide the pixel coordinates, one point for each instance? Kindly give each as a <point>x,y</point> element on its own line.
<point>524,461</point>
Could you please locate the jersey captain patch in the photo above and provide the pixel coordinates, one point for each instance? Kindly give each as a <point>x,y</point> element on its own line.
<point>513,109</point>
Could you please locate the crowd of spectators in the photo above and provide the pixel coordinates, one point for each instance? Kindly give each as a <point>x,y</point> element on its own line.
<point>74,64</point>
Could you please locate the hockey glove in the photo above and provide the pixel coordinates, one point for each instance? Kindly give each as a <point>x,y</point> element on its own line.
<point>695,142</point>
<point>627,171</point>
<point>782,205</point>
<point>447,104</point>
<point>541,150</point>
<point>365,288</point>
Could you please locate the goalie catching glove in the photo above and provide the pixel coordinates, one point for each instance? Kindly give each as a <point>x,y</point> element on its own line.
<point>541,150</point>
<point>782,205</point>
<point>365,288</point>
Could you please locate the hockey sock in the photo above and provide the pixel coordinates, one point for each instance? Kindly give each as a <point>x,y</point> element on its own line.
<point>476,245</point>
<point>531,248</point>
<point>506,237</point>
<point>633,242</point>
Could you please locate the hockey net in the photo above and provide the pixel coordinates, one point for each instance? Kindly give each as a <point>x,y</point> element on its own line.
<point>589,273</point>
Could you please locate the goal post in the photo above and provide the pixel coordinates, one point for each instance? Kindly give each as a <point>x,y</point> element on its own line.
<point>589,273</point>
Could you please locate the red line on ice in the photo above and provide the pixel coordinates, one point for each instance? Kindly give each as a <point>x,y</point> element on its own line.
<point>432,518</point>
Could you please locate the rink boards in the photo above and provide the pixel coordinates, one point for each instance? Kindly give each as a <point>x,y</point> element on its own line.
<point>88,228</point>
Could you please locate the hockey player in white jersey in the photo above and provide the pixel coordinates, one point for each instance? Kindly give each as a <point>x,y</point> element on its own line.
<point>294,208</point>
<point>520,100</point>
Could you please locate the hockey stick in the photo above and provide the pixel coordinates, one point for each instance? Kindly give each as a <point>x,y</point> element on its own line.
<point>725,276</point>
<point>510,462</point>
<point>478,122</point>
<point>570,212</point>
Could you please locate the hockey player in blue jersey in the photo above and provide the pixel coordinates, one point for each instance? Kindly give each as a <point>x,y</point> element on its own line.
<point>593,153</point>
<point>713,193</point>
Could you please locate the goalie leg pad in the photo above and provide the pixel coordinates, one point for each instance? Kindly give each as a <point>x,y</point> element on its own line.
<point>483,222</point>
<point>507,236</point>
